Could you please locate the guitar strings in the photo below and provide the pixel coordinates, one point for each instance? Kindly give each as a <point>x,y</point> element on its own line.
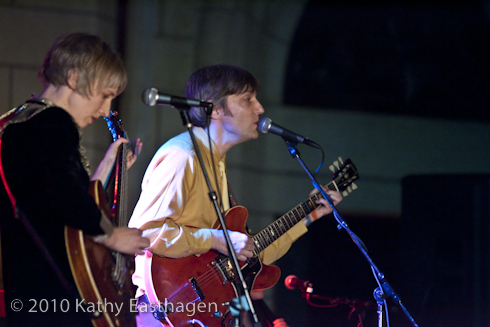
<point>219,269</point>
<point>119,272</point>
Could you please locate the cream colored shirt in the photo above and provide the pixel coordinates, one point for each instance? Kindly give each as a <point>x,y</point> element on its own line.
<point>174,203</point>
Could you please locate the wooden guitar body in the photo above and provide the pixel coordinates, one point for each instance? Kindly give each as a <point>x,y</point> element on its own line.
<point>102,276</point>
<point>92,265</point>
<point>98,277</point>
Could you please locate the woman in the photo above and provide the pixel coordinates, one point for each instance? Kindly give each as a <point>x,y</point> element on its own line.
<point>45,177</point>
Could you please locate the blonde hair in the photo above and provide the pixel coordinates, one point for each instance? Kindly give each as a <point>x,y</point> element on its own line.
<point>94,62</point>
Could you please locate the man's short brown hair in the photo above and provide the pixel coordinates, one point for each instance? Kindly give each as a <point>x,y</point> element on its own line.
<point>216,83</point>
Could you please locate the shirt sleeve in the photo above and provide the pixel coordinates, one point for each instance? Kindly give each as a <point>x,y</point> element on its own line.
<point>165,190</point>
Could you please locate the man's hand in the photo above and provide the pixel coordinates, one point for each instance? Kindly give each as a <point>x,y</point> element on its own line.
<point>242,243</point>
<point>324,208</point>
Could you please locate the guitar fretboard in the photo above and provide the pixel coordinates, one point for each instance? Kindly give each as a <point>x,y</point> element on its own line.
<point>281,225</point>
<point>120,213</point>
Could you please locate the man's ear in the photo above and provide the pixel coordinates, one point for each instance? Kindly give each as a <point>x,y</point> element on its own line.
<point>217,112</point>
<point>73,75</point>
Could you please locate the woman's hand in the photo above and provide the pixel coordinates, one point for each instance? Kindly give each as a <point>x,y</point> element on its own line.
<point>133,154</point>
<point>105,167</point>
<point>126,240</point>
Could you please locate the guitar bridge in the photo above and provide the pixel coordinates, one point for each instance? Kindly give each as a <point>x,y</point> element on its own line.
<point>225,268</point>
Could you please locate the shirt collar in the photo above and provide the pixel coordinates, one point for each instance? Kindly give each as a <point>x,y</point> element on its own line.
<point>202,136</point>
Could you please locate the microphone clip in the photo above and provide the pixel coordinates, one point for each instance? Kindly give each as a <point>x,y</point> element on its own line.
<point>308,289</point>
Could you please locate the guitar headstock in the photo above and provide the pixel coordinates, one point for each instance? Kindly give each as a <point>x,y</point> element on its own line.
<point>344,175</point>
<point>115,125</point>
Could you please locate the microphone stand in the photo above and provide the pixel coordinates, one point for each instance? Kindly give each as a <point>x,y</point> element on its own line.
<point>244,301</point>
<point>384,290</point>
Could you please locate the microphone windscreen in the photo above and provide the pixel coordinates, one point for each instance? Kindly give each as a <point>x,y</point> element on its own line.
<point>264,124</point>
<point>149,96</point>
<point>290,282</point>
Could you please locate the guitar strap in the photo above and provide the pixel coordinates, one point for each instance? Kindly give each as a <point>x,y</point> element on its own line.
<point>14,116</point>
<point>19,115</point>
<point>233,202</point>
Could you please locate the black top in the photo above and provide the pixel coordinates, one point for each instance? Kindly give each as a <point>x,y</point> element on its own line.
<point>43,169</point>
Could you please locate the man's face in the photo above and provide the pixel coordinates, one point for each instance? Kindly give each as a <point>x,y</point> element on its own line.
<point>242,116</point>
<point>86,109</point>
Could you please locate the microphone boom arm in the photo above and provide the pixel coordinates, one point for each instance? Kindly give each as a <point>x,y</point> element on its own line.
<point>384,287</point>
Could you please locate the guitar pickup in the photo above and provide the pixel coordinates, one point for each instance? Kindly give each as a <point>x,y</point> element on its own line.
<point>197,289</point>
<point>189,293</point>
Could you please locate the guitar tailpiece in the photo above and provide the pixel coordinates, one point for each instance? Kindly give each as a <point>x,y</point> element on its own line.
<point>195,321</point>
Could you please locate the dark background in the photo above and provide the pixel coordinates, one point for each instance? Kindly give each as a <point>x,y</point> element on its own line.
<point>435,257</point>
<point>426,59</point>
<point>422,58</point>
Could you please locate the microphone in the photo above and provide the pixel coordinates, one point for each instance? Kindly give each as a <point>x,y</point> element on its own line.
<point>292,282</point>
<point>152,97</point>
<point>266,125</point>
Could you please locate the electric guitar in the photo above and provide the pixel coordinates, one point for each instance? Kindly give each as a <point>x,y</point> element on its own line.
<point>198,289</point>
<point>101,275</point>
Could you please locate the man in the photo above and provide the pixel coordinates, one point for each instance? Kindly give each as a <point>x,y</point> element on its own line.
<point>174,208</point>
<point>45,180</point>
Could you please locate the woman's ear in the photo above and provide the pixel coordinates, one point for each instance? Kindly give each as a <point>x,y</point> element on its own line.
<point>73,75</point>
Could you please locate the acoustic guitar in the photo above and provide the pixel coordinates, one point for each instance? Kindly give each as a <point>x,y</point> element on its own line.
<point>101,275</point>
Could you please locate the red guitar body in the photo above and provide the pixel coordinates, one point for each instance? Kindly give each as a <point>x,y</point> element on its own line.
<point>201,287</point>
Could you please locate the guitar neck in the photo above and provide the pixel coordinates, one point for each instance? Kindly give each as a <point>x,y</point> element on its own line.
<point>120,188</point>
<point>119,210</point>
<point>280,226</point>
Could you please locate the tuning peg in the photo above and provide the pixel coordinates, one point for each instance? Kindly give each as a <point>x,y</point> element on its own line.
<point>336,164</point>
<point>354,186</point>
<point>332,168</point>
<point>345,193</point>
<point>349,189</point>
<point>341,161</point>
